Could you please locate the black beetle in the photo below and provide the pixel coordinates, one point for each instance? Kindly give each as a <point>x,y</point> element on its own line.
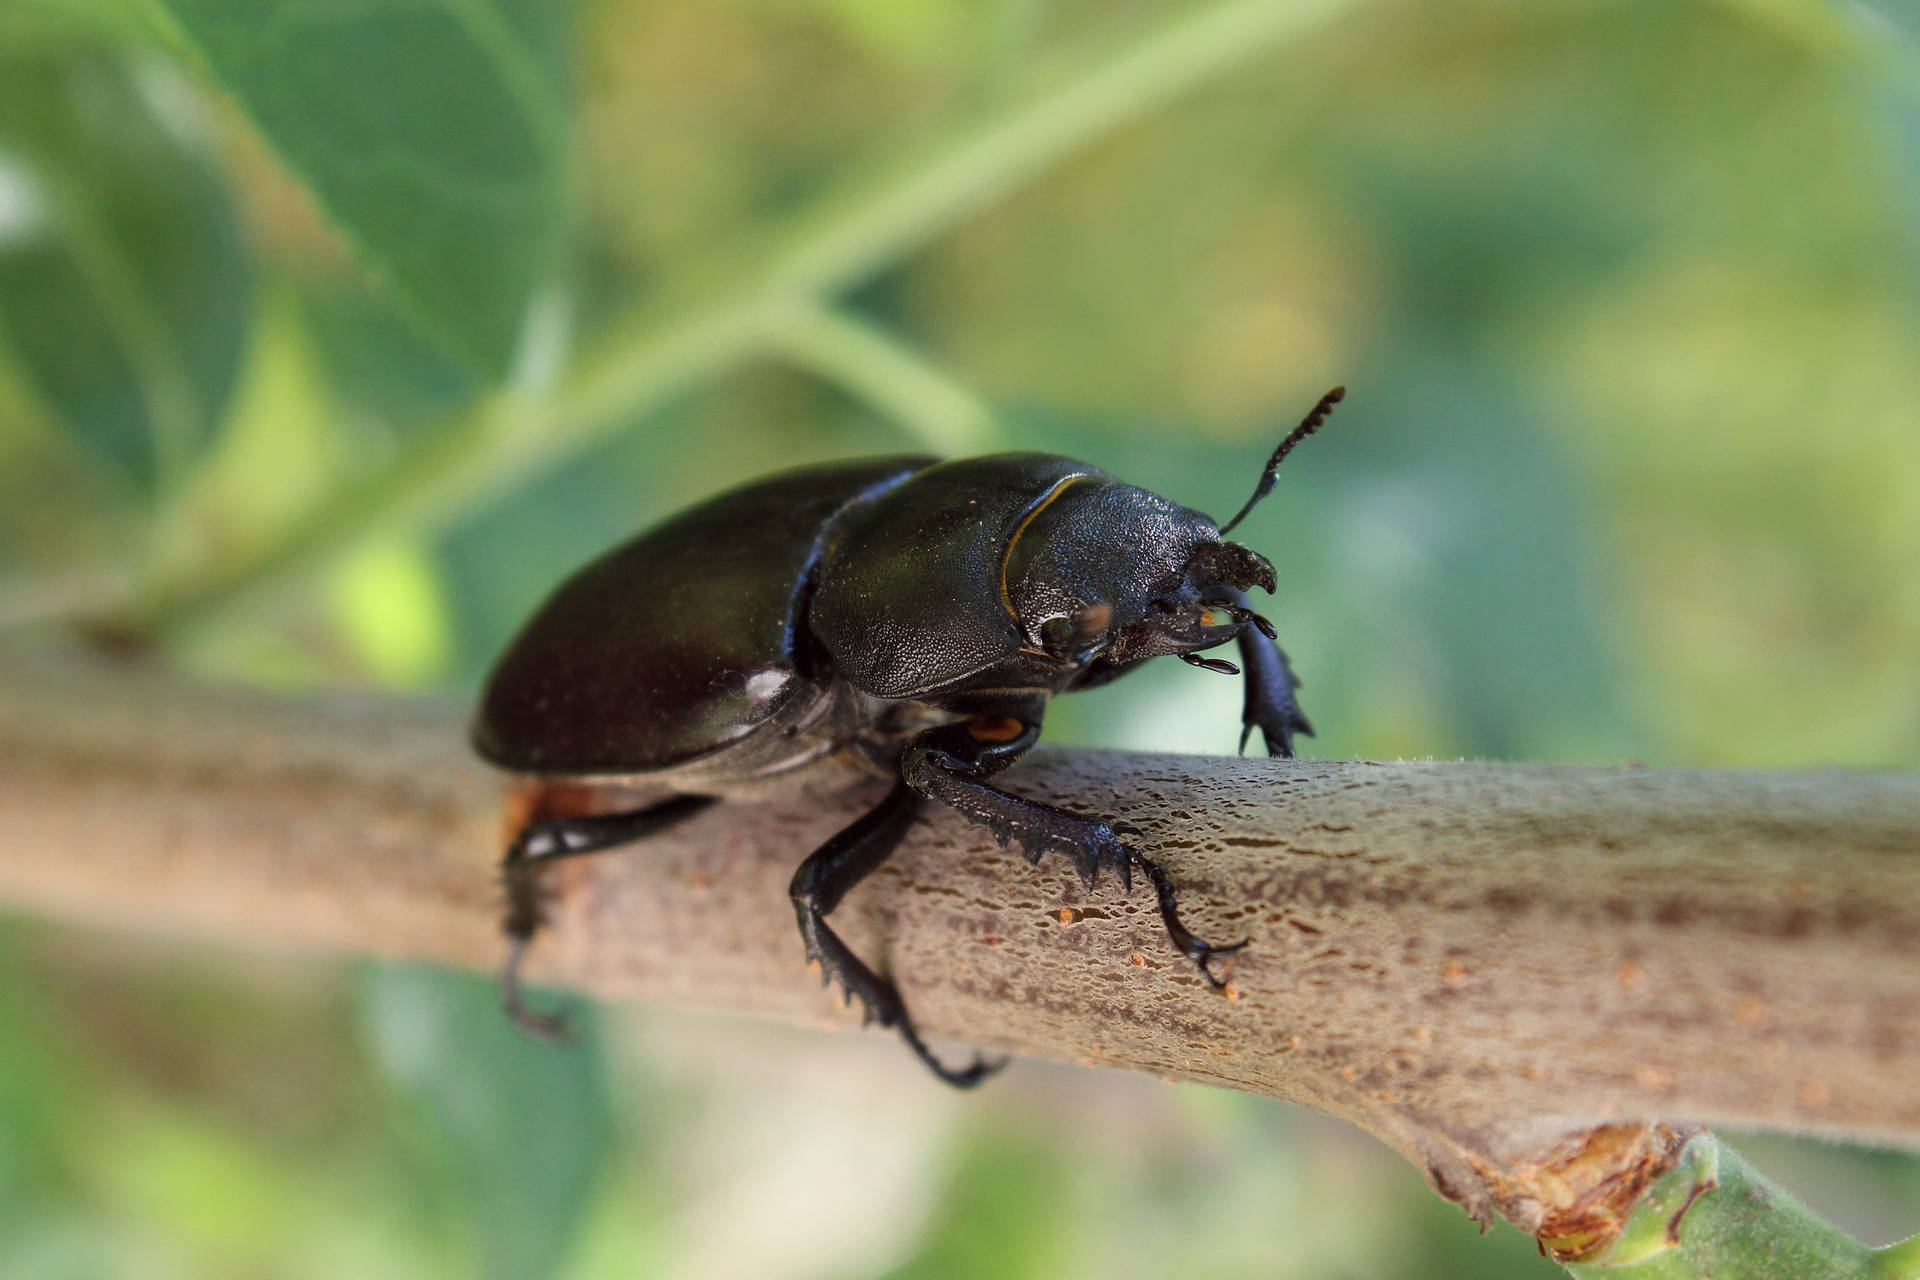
<point>909,616</point>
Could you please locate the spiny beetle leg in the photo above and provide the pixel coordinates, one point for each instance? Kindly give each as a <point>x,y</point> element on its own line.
<point>547,840</point>
<point>1038,829</point>
<point>1191,947</point>
<point>817,888</point>
<point>948,763</point>
<point>1270,684</point>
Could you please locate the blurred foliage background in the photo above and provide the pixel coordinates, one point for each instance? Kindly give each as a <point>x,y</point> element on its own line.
<point>331,336</point>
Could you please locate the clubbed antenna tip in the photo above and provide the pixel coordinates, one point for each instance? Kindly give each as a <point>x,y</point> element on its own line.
<point>1308,425</point>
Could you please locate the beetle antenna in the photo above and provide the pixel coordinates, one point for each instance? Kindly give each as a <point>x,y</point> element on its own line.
<point>1308,425</point>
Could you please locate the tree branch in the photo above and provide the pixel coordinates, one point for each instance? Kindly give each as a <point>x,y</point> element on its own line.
<point>1501,970</point>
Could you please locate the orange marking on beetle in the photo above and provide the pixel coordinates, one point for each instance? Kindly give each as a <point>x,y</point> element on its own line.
<point>995,728</point>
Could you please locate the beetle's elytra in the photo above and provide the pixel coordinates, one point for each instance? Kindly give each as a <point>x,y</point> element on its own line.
<point>910,616</point>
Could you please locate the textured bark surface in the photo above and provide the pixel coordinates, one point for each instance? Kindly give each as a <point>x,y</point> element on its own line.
<point>1481,964</point>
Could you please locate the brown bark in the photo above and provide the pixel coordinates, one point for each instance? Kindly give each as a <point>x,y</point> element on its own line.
<point>1482,964</point>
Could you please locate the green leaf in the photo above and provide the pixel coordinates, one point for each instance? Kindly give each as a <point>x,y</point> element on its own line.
<point>27,23</point>
<point>432,132</point>
<point>123,281</point>
<point>524,1122</point>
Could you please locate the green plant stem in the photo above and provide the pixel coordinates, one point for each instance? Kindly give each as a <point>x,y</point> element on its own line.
<point>1713,1216</point>
<point>928,403</point>
<point>715,317</point>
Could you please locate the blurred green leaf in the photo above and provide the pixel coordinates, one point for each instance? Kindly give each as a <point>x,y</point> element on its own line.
<point>1899,16</point>
<point>1473,517</point>
<point>434,133</point>
<point>393,383</point>
<point>523,1123</point>
<point>123,281</point>
<point>390,608</point>
<point>26,23</point>
<point>994,1218</point>
<point>37,1086</point>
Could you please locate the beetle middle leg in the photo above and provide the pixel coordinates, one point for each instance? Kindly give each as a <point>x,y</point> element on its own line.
<point>546,840</point>
<point>949,763</point>
<point>819,885</point>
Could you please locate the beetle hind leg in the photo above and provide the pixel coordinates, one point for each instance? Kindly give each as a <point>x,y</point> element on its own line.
<point>546,840</point>
<point>819,885</point>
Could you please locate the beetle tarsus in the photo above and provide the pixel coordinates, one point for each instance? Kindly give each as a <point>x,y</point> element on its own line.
<point>1200,952</point>
<point>818,886</point>
<point>965,1077</point>
<point>541,1026</point>
<point>937,766</point>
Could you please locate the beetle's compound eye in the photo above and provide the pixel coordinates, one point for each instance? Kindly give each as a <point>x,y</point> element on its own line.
<point>1074,634</point>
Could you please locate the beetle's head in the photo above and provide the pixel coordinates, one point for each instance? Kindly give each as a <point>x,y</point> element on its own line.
<point>1098,567</point>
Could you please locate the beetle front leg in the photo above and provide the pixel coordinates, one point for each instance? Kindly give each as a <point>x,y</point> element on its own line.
<point>948,764</point>
<point>1270,684</point>
<point>819,885</point>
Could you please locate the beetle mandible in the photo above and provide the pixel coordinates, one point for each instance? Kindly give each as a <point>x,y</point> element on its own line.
<point>908,616</point>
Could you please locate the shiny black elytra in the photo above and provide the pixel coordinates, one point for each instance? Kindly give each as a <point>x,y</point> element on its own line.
<point>906,616</point>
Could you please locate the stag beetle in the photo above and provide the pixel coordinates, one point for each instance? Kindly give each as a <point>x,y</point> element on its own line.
<point>908,616</point>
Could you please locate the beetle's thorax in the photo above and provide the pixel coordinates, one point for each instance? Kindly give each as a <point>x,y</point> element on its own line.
<point>1098,544</point>
<point>1116,573</point>
<point>1018,571</point>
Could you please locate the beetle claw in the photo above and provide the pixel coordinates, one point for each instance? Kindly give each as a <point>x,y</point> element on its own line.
<point>962,1078</point>
<point>1204,956</point>
<point>541,1026</point>
<point>1200,952</point>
